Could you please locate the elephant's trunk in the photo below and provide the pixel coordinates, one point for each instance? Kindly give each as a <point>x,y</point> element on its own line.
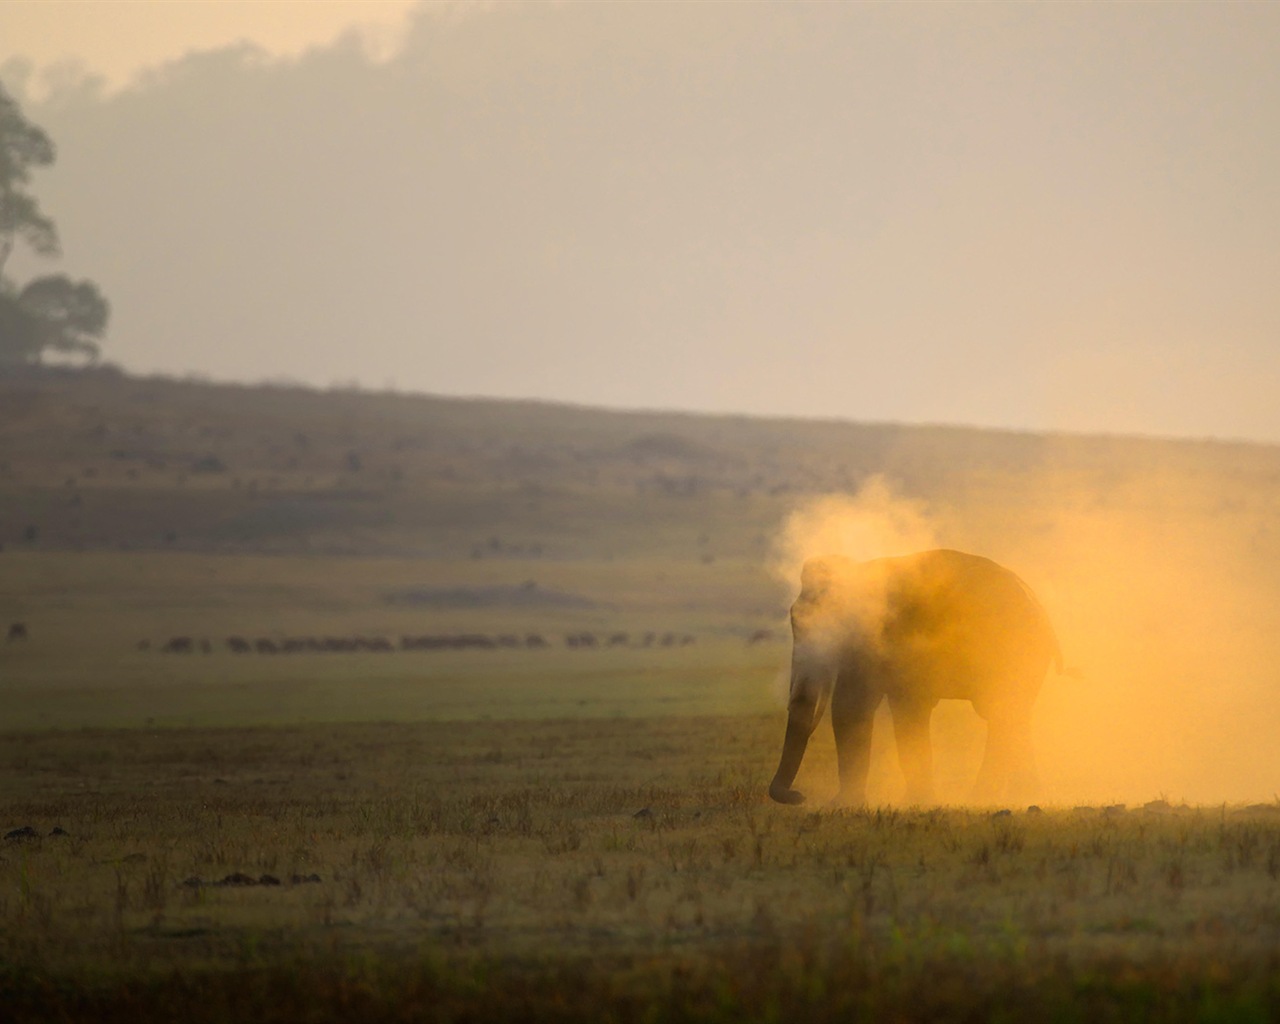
<point>793,748</point>
<point>804,711</point>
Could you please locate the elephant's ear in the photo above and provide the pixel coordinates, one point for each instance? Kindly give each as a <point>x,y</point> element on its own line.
<point>821,576</point>
<point>815,577</point>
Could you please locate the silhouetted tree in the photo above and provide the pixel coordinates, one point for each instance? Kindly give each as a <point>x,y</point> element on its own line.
<point>23,145</point>
<point>49,314</point>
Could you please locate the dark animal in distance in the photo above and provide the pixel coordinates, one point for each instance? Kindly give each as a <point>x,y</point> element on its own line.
<point>17,631</point>
<point>915,630</point>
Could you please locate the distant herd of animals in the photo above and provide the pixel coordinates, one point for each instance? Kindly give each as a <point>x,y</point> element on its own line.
<point>17,632</point>
<point>424,642</point>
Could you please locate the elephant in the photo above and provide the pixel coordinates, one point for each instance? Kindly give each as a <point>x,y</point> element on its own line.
<point>915,630</point>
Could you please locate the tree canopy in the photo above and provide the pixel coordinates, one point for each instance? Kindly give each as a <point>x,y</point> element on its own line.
<point>51,314</point>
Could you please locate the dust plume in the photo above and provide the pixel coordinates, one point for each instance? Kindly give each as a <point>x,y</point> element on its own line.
<point>1162,586</point>
<point>873,523</point>
<point>1161,583</point>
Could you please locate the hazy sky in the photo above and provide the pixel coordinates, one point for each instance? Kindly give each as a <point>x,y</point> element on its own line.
<point>1042,215</point>
<point>119,40</point>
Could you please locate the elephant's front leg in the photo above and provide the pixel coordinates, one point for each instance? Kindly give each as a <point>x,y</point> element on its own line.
<point>853,709</point>
<point>915,749</point>
<point>1008,767</point>
<point>809,693</point>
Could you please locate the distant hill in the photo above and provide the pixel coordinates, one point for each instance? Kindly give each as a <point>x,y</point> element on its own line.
<point>138,512</point>
<point>101,460</point>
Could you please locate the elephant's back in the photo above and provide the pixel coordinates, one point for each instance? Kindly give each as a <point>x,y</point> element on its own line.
<point>964,607</point>
<point>942,574</point>
<point>949,564</point>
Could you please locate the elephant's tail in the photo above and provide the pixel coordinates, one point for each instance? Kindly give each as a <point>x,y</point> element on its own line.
<point>1047,623</point>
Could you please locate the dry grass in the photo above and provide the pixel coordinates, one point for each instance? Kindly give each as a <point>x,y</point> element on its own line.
<point>565,868</point>
<point>549,858</point>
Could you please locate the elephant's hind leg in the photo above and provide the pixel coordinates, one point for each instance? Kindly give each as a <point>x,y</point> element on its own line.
<point>852,716</point>
<point>915,748</point>
<point>1008,769</point>
<point>1024,780</point>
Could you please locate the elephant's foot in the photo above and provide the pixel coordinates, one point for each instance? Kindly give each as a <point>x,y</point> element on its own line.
<point>988,793</point>
<point>847,799</point>
<point>1024,785</point>
<point>785,795</point>
<point>919,794</point>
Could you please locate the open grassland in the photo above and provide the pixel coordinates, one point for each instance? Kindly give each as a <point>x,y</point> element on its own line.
<point>88,612</point>
<point>585,870</point>
<point>559,832</point>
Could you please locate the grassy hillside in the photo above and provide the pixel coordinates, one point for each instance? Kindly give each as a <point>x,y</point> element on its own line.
<point>137,511</point>
<point>106,462</point>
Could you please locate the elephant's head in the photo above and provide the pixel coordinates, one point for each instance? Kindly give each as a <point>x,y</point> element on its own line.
<point>823,626</point>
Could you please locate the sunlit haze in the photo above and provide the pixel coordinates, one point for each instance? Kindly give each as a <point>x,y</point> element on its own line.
<point>1163,617</point>
<point>1032,216</point>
